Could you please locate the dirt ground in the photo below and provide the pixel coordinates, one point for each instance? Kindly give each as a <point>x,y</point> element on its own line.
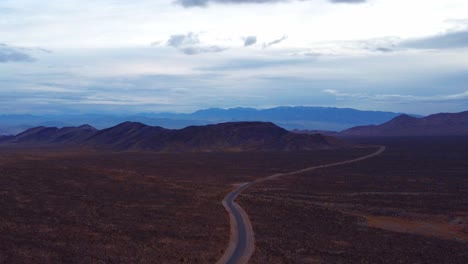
<point>409,205</point>
<point>69,206</point>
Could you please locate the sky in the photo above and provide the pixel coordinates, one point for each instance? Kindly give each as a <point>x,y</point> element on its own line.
<point>118,56</point>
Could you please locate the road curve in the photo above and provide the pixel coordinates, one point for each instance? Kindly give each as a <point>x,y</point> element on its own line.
<point>241,242</point>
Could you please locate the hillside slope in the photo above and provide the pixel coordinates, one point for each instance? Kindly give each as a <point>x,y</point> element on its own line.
<point>442,124</point>
<point>53,135</point>
<point>132,136</point>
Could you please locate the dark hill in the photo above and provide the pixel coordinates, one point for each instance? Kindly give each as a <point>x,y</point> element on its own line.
<point>234,136</point>
<point>131,136</point>
<point>48,135</point>
<point>5,138</point>
<point>128,135</point>
<point>443,124</point>
<point>229,136</point>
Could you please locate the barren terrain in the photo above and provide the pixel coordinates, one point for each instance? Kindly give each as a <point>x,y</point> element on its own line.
<point>64,206</point>
<point>408,205</point>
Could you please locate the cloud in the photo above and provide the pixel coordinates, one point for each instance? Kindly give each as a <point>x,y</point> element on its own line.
<point>250,64</point>
<point>122,94</point>
<point>383,49</point>
<point>190,44</point>
<point>348,1</point>
<point>155,43</point>
<point>382,45</point>
<point>4,10</point>
<point>183,40</point>
<point>197,50</point>
<point>449,40</point>
<point>205,3</point>
<point>250,40</point>
<point>14,54</point>
<point>458,97</point>
<point>274,42</point>
<point>363,47</point>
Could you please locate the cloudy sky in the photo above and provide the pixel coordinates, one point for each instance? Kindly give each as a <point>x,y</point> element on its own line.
<point>182,55</point>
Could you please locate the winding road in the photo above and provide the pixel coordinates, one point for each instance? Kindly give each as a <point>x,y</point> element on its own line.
<point>241,243</point>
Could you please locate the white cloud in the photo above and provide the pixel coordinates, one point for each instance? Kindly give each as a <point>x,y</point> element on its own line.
<point>110,23</point>
<point>462,96</point>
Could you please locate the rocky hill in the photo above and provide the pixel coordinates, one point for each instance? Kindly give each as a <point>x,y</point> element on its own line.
<point>133,136</point>
<point>53,135</point>
<point>442,124</point>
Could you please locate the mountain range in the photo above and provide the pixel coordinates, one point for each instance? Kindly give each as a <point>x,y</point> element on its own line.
<point>134,136</point>
<point>443,124</point>
<point>232,136</point>
<point>301,117</point>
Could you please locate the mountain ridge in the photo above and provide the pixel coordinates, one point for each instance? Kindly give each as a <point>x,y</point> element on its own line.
<point>135,136</point>
<point>289,117</point>
<point>441,124</point>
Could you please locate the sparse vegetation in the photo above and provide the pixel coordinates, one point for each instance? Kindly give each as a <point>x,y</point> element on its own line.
<point>61,206</point>
<point>406,206</point>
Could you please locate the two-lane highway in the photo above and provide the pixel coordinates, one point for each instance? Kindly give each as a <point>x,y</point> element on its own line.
<point>241,244</point>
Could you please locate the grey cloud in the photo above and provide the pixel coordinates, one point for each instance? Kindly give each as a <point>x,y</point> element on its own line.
<point>250,40</point>
<point>384,49</point>
<point>4,10</point>
<point>190,44</point>
<point>274,42</point>
<point>204,3</point>
<point>449,40</point>
<point>337,48</point>
<point>13,54</point>
<point>235,65</point>
<point>42,50</point>
<point>183,40</point>
<point>382,45</point>
<point>197,50</point>
<point>155,43</point>
<point>192,3</point>
<point>348,1</point>
<point>146,90</point>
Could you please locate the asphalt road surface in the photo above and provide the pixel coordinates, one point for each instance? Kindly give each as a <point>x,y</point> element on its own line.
<point>241,244</point>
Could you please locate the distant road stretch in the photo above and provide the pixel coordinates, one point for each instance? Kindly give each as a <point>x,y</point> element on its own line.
<point>241,243</point>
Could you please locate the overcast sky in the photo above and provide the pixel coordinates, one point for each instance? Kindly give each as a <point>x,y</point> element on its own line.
<point>162,55</point>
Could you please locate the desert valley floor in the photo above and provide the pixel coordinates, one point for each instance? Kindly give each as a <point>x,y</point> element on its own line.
<point>408,205</point>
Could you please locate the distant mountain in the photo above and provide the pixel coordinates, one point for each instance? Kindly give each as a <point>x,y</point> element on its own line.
<point>301,117</point>
<point>14,124</point>
<point>133,136</point>
<point>434,125</point>
<point>316,114</point>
